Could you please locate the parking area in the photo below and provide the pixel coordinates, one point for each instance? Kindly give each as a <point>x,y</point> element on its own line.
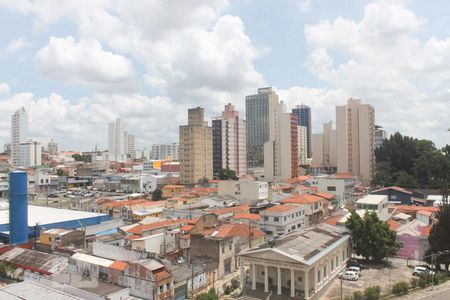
<point>381,275</point>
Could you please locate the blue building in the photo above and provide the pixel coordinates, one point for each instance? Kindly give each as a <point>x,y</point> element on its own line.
<point>401,196</point>
<point>303,113</point>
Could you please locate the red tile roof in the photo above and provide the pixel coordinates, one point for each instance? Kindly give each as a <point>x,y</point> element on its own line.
<point>187,227</point>
<point>302,199</point>
<point>332,220</point>
<point>325,195</point>
<point>232,209</point>
<point>119,265</point>
<point>236,230</point>
<point>253,217</point>
<point>160,224</point>
<point>281,208</point>
<point>412,208</point>
<point>426,230</point>
<point>425,213</point>
<point>395,188</point>
<point>393,225</point>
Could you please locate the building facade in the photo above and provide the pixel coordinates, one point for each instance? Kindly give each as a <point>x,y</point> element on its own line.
<point>355,135</point>
<point>195,148</point>
<point>281,219</point>
<point>164,151</point>
<point>52,147</point>
<point>19,133</point>
<point>229,142</point>
<point>380,136</point>
<point>302,146</point>
<point>30,154</point>
<point>303,113</point>
<point>116,141</point>
<point>324,147</point>
<point>260,110</point>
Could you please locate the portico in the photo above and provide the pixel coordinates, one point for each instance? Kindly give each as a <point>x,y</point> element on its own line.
<point>298,264</point>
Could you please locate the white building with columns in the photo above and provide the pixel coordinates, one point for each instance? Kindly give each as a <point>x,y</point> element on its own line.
<point>296,265</point>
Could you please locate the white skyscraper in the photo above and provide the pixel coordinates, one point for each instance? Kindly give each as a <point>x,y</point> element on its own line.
<point>302,140</point>
<point>30,154</point>
<point>355,132</point>
<point>116,141</point>
<point>19,133</point>
<point>130,151</point>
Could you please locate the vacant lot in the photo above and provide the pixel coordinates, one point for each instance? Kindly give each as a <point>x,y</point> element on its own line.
<point>381,275</point>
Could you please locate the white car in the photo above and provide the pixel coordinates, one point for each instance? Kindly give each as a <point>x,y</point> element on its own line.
<point>349,275</point>
<point>419,270</point>
<point>355,269</point>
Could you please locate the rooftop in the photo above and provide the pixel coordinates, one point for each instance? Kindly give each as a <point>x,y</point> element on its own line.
<point>372,199</point>
<point>248,216</point>
<point>281,208</point>
<point>395,188</point>
<point>28,290</point>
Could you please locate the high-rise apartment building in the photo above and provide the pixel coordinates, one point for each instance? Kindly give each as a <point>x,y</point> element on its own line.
<point>195,151</point>
<point>260,110</point>
<point>355,135</point>
<point>324,147</point>
<point>116,141</point>
<point>52,147</point>
<point>30,154</point>
<point>281,153</point>
<point>129,147</point>
<point>19,133</point>
<point>164,151</point>
<point>229,143</point>
<point>380,136</point>
<point>303,113</point>
<point>302,145</point>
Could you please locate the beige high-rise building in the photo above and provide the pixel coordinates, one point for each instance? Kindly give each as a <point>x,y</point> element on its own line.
<point>302,140</point>
<point>195,152</point>
<point>355,130</point>
<point>324,147</point>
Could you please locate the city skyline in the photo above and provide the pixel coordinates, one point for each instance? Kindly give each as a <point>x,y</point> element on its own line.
<point>110,73</point>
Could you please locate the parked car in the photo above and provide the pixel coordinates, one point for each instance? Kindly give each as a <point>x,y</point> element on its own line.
<point>420,270</point>
<point>349,275</point>
<point>355,269</point>
<point>355,263</point>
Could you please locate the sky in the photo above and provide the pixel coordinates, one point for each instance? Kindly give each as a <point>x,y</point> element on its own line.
<point>77,65</point>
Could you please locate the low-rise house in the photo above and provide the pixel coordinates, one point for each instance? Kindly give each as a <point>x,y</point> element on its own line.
<point>244,189</point>
<point>298,264</point>
<point>374,203</point>
<point>396,195</point>
<point>281,219</point>
<point>316,207</point>
<point>51,239</point>
<point>171,190</point>
<point>413,237</point>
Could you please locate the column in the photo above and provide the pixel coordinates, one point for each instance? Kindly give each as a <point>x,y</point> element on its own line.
<point>315,279</point>
<point>266,279</point>
<point>306,280</point>
<point>279,280</point>
<point>253,266</point>
<point>292,283</point>
<point>242,274</point>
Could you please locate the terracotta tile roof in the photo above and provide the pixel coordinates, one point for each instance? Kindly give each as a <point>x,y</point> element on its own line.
<point>146,227</point>
<point>161,274</point>
<point>426,230</point>
<point>133,202</point>
<point>232,209</point>
<point>332,220</point>
<point>253,217</point>
<point>344,175</point>
<point>425,213</point>
<point>395,188</point>
<point>325,195</point>
<point>393,225</point>
<point>119,265</point>
<point>172,186</point>
<point>281,208</point>
<point>236,230</point>
<point>204,190</point>
<point>132,237</point>
<point>413,208</point>
<point>187,227</point>
<point>302,199</point>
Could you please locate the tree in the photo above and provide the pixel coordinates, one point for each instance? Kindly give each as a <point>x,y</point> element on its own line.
<point>439,238</point>
<point>83,158</point>
<point>372,293</point>
<point>372,238</point>
<point>203,181</point>
<point>405,180</point>
<point>210,295</point>
<point>227,174</point>
<point>157,194</point>
<point>60,172</point>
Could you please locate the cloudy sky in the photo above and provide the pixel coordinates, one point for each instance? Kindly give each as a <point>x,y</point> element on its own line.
<point>76,65</point>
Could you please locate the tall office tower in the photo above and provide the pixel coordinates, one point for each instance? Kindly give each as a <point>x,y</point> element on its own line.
<point>260,110</point>
<point>30,154</point>
<point>129,147</point>
<point>355,133</point>
<point>281,153</point>
<point>229,145</point>
<point>324,147</point>
<point>117,141</point>
<point>195,150</point>
<point>19,133</point>
<point>172,151</point>
<point>380,136</point>
<point>303,113</point>
<point>52,147</point>
<point>165,151</point>
<point>301,142</point>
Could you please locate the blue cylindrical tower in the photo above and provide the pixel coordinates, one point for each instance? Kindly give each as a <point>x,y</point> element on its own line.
<point>18,207</point>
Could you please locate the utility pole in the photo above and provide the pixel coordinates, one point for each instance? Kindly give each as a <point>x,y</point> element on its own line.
<point>342,293</point>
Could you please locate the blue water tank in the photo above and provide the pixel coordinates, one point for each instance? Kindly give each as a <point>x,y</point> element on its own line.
<point>18,207</point>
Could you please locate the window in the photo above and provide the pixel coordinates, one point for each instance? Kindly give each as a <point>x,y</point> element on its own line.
<point>318,275</point>
<point>275,219</point>
<point>229,247</point>
<point>266,218</point>
<point>393,197</point>
<point>285,218</point>
<point>223,249</point>
<point>331,188</point>
<point>300,279</point>
<point>262,273</point>
<point>332,265</point>
<point>337,261</point>
<point>325,271</point>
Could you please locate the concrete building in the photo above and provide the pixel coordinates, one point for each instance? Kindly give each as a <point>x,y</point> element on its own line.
<point>19,133</point>
<point>244,189</point>
<point>129,148</point>
<point>195,148</point>
<point>374,203</point>
<point>324,147</point>
<point>165,151</point>
<point>4,185</point>
<point>30,154</point>
<point>52,147</point>
<point>260,111</point>
<point>303,113</point>
<point>297,265</point>
<point>380,136</point>
<point>116,141</point>
<point>342,187</point>
<point>281,152</point>
<point>281,219</point>
<point>302,142</point>
<point>355,134</point>
<point>229,142</point>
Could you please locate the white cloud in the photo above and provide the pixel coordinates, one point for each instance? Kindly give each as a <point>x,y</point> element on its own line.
<point>17,44</point>
<point>82,123</point>
<point>4,88</point>
<point>305,5</point>
<point>86,63</point>
<point>382,60</point>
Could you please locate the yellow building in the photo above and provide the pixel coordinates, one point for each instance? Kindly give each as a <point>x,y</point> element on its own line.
<point>171,190</point>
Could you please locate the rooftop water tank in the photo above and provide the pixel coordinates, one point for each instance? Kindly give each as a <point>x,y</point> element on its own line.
<point>18,207</point>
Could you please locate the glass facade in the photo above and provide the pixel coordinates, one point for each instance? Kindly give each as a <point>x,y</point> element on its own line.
<point>303,113</point>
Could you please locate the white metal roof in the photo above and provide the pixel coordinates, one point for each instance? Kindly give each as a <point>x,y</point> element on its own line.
<point>372,199</point>
<point>92,259</point>
<point>47,215</point>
